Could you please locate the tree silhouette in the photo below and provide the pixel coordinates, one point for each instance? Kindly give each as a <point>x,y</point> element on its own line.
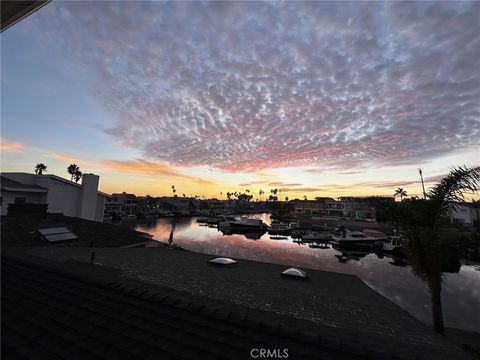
<point>400,192</point>
<point>261,192</point>
<point>245,197</point>
<point>420,171</point>
<point>72,169</point>
<point>40,168</point>
<point>273,196</point>
<point>426,226</point>
<point>78,175</point>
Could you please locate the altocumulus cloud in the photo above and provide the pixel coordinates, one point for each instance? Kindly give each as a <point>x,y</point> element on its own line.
<point>249,86</point>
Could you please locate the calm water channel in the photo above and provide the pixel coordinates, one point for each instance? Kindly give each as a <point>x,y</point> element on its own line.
<point>391,278</point>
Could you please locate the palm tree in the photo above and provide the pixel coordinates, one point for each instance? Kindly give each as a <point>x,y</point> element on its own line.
<point>78,175</point>
<point>420,171</point>
<point>425,225</point>
<point>40,168</point>
<point>400,192</point>
<point>274,192</point>
<point>261,192</point>
<point>174,190</point>
<point>72,169</point>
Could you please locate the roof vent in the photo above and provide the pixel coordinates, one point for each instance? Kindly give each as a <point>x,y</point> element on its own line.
<point>222,261</point>
<point>295,273</point>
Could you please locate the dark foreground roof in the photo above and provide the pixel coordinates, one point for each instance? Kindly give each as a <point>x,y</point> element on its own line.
<point>22,232</point>
<point>14,11</point>
<point>50,314</point>
<point>70,310</point>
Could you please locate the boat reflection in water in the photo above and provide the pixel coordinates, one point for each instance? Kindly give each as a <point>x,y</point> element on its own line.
<point>387,273</point>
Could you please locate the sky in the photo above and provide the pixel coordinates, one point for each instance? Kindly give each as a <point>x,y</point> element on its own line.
<point>314,98</point>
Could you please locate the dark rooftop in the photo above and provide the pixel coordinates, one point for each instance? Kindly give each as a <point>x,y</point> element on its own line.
<point>22,232</point>
<point>51,312</point>
<point>70,310</point>
<point>11,185</point>
<point>333,306</point>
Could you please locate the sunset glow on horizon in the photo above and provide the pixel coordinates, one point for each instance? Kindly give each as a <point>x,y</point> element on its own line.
<point>313,99</point>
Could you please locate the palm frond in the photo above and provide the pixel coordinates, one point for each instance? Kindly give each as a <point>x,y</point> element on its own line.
<point>450,191</point>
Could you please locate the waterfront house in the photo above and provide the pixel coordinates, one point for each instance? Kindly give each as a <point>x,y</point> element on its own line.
<point>363,208</point>
<point>321,206</point>
<point>113,207</point>
<point>58,194</point>
<point>466,214</point>
<point>128,202</point>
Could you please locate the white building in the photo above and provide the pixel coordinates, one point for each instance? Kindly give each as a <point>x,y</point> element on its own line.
<point>466,214</point>
<point>61,195</point>
<point>128,202</point>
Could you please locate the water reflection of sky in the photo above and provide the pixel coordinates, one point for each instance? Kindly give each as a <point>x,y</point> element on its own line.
<point>460,294</point>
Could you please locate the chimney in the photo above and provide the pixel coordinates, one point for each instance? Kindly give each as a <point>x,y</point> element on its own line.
<point>89,196</point>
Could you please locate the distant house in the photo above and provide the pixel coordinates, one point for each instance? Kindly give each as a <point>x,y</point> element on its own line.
<point>128,202</point>
<point>60,195</point>
<point>113,207</point>
<point>363,208</point>
<point>466,214</point>
<point>321,206</point>
<point>179,205</point>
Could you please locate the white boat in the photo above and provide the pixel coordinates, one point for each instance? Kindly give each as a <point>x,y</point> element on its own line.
<point>279,229</point>
<point>348,237</point>
<point>394,246</point>
<point>244,223</point>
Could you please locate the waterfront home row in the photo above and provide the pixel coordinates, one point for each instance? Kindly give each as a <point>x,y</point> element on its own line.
<point>58,195</point>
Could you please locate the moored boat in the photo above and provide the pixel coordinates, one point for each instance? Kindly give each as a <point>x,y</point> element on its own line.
<point>244,223</point>
<point>279,229</point>
<point>394,246</point>
<point>348,237</point>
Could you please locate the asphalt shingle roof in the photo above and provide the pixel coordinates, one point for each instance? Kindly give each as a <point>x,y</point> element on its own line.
<point>47,314</point>
<point>22,232</point>
<point>71,310</point>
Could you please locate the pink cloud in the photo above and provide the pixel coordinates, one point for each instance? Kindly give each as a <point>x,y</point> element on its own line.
<point>8,146</point>
<point>235,91</point>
